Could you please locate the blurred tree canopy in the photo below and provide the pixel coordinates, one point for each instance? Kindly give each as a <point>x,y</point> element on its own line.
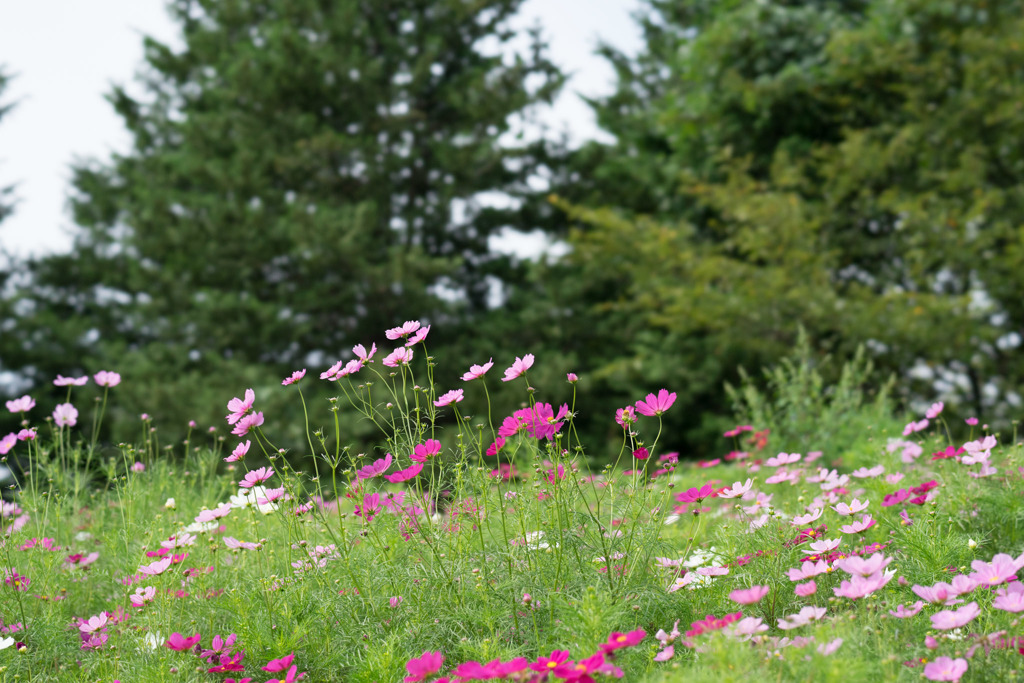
<point>852,168</point>
<point>304,175</point>
<point>6,193</point>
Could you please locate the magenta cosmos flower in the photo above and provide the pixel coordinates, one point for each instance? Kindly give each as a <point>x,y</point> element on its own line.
<point>618,641</point>
<point>295,377</point>
<point>181,643</point>
<point>107,379</point>
<point>446,399</point>
<point>477,371</point>
<point>696,495</point>
<point>654,406</point>
<point>422,667</point>
<point>404,475</point>
<point>21,405</point>
<point>376,469</point>
<point>518,368</point>
<point>423,451</point>
<point>65,415</point>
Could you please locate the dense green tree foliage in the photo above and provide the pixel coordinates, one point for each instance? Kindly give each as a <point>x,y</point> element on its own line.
<point>847,167</point>
<point>304,175</point>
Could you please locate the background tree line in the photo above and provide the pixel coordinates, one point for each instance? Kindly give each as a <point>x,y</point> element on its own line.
<point>306,174</point>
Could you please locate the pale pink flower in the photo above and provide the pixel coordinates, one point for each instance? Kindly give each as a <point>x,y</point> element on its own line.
<point>63,381</point>
<point>737,489</point>
<point>913,427</point>
<point>239,407</point>
<point>853,508</point>
<point>21,405</point>
<point>107,379</point>
<point>362,354</point>
<point>257,476</point>
<point>828,648</point>
<point>746,628</point>
<point>782,459</point>
<point>825,545</point>
<point>804,617</point>
<point>181,540</point>
<point>271,495</point>
<point>156,568</point>
<point>518,368</point>
<point>404,330</point>
<point>808,518</point>
<point>295,377</point>
<point>235,544</point>
<point>248,422</point>
<point>808,570</point>
<point>945,669</point>
<point>1010,598</point>
<point>713,571</point>
<point>939,594</point>
<point>7,443</point>
<point>934,410</point>
<point>861,566</point>
<point>93,624</point>
<point>221,510</point>
<point>419,336</point>
<point>141,596</point>
<point>907,612</point>
<point>748,596</point>
<point>998,571</point>
<point>975,447</point>
<point>400,356</point>
<point>868,472</point>
<point>860,586</point>
<point>477,371</point>
<point>453,396</point>
<point>65,415</point>
<point>27,434</point>
<point>949,619</point>
<point>856,527</point>
<point>806,589</point>
<point>653,405</point>
<point>239,452</point>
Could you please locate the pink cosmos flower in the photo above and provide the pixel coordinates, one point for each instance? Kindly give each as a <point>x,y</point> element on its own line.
<point>180,643</point>
<point>21,405</point>
<point>749,596</point>
<point>275,665</point>
<point>948,619</point>
<point>1011,598</point>
<point>823,546</point>
<point>400,356</point>
<point>156,568</point>
<point>419,336</point>
<point>737,489</point>
<point>868,472</point>
<point>806,589</point>
<point>571,377</point>
<point>453,396</point>
<point>641,453</point>
<point>65,415</point>
<point>257,476</point>
<point>902,612</point>
<point>376,469</point>
<point>945,669</point>
<point>239,452</point>
<point>250,421</point>
<point>913,427</point>
<point>142,596</point>
<point>625,417</point>
<point>972,421</point>
<point>240,407</point>
<point>862,567</point>
<point>93,624</point>
<point>803,520</point>
<point>618,641</point>
<point>295,377</point>
<point>342,369</point>
<point>1001,569</point>
<point>404,475</point>
<point>107,379</point>
<point>805,616</point>
<point>746,628</point>
<point>422,452</point>
<point>518,368</point>
<point>362,354</point>
<point>234,544</point>
<point>404,330</point>
<point>940,594</point>
<point>782,459</point>
<point>63,381</point>
<point>934,410</point>
<point>828,648</point>
<point>7,443</point>
<point>656,405</point>
<point>422,667</point>
<point>853,508</point>
<point>856,527</point>
<point>860,586</point>
<point>696,495</point>
<point>222,510</point>
<point>477,371</point>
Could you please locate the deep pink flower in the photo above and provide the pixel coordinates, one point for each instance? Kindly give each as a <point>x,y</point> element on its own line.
<point>972,421</point>
<point>21,405</point>
<point>107,379</point>
<point>219,646</point>
<point>257,476</point>
<point>378,468</point>
<point>748,596</point>
<point>420,668</point>
<point>641,453</point>
<point>239,452</point>
<point>518,368</point>
<point>404,475</point>
<point>617,641</point>
<point>696,495</point>
<point>945,669</point>
<point>546,664</point>
<point>275,665</point>
<point>63,381</point>
<point>295,377</point>
<point>477,371</point>
<point>248,422</point>
<point>405,330</point>
<point>422,452</point>
<point>580,671</point>
<point>498,444</point>
<point>240,407</point>
<point>65,415</point>
<point>656,405</point>
<point>180,643</point>
<point>453,396</point>
<point>400,356</point>
<point>625,417</point>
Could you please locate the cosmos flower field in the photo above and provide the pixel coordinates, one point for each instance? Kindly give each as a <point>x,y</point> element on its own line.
<point>857,547</point>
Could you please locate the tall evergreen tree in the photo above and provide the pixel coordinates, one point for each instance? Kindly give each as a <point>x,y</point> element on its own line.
<point>304,175</point>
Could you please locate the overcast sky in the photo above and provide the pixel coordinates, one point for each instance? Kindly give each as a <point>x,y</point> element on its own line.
<point>65,54</point>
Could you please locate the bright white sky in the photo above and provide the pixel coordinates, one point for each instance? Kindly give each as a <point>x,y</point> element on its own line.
<point>65,54</point>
